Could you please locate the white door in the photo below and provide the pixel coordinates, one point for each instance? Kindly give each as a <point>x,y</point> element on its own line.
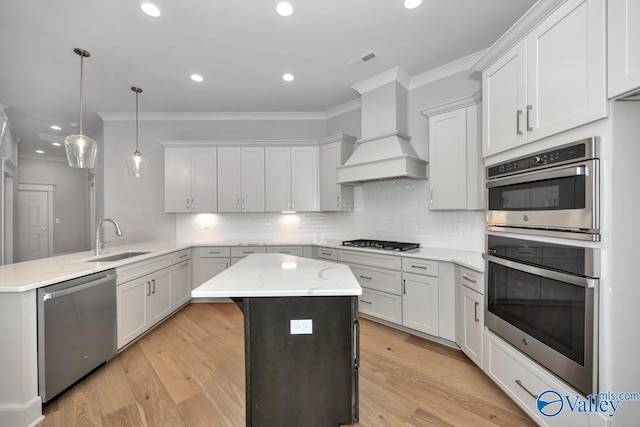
<point>471,311</point>
<point>329,190</point>
<point>33,225</point>
<point>181,284</point>
<point>278,178</point>
<point>229,179</point>
<point>204,179</point>
<point>161,286</point>
<point>133,299</point>
<point>210,267</point>
<point>420,303</point>
<point>253,187</point>
<point>304,178</point>
<point>177,179</point>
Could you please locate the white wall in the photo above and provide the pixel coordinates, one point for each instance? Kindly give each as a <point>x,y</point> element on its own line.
<point>70,201</point>
<point>347,123</point>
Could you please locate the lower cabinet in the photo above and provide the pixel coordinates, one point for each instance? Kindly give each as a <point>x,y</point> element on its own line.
<point>470,313</point>
<point>420,303</point>
<point>210,262</point>
<point>181,283</point>
<point>381,305</point>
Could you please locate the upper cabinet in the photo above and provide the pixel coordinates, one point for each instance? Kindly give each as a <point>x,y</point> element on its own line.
<point>552,80</point>
<point>624,47</point>
<point>455,166</point>
<point>333,153</point>
<point>241,179</point>
<point>190,179</point>
<point>291,178</point>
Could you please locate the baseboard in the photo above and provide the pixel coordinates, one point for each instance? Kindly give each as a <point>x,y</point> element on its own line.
<point>21,416</point>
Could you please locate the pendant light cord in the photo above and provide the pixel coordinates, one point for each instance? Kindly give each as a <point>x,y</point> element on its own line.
<point>81,92</point>
<point>137,121</point>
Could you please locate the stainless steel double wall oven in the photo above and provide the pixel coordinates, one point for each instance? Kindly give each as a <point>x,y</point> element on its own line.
<point>542,297</point>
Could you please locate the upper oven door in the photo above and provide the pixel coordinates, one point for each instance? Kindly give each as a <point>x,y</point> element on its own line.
<point>560,198</point>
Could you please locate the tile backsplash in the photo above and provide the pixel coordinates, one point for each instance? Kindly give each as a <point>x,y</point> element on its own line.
<point>386,210</point>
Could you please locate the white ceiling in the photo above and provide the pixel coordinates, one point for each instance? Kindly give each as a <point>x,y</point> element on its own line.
<point>240,47</point>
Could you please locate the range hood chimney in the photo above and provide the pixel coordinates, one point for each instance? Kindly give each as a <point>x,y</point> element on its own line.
<point>384,151</point>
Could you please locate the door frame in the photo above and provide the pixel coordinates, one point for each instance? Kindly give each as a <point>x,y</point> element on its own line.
<point>49,189</point>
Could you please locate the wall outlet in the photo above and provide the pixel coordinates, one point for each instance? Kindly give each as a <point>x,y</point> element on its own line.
<point>302,327</point>
<point>457,227</point>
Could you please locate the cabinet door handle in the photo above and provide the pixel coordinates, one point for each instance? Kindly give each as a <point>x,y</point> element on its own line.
<point>188,204</point>
<point>475,311</point>
<point>148,286</point>
<point>242,204</point>
<point>404,286</point>
<point>153,281</point>
<point>419,266</point>
<point>226,265</point>
<point>518,114</point>
<point>366,277</point>
<point>535,396</point>
<point>366,302</point>
<point>431,198</point>
<point>529,109</point>
<point>337,201</point>
<point>465,277</point>
<point>191,204</point>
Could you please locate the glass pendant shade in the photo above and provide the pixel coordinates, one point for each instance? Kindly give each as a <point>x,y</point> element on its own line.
<point>81,151</point>
<point>137,165</point>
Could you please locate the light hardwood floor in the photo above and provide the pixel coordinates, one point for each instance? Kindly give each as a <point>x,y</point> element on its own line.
<point>189,371</point>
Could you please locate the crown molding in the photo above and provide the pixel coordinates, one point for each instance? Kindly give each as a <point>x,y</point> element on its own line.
<point>210,116</point>
<point>465,101</point>
<point>538,12</point>
<point>446,70</point>
<point>340,137</point>
<point>342,109</point>
<point>396,74</point>
<point>237,143</point>
<point>43,158</point>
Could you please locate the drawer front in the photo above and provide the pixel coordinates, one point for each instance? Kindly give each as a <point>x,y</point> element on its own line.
<point>470,278</point>
<point>381,305</point>
<point>420,266</point>
<point>214,252</point>
<point>378,278</point>
<point>180,256</point>
<point>373,260</point>
<point>325,253</point>
<point>287,250</point>
<point>243,251</point>
<point>130,272</point>
<point>523,382</point>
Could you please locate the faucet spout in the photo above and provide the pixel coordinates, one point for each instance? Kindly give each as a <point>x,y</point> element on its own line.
<point>99,244</point>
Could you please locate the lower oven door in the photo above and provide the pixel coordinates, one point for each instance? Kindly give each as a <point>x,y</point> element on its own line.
<point>550,316</point>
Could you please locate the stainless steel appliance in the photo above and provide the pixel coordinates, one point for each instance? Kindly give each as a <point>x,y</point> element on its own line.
<point>552,193</point>
<point>542,298</point>
<point>76,330</point>
<point>381,244</point>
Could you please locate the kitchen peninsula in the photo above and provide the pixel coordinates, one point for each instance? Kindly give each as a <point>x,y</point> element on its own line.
<point>301,338</point>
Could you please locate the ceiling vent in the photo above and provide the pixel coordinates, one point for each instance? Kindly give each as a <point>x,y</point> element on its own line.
<point>50,138</point>
<point>367,57</point>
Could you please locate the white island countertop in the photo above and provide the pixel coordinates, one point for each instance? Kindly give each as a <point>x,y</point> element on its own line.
<point>278,275</point>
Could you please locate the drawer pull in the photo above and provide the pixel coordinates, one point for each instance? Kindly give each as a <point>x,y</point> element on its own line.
<point>248,252</point>
<point>213,252</point>
<point>366,302</point>
<point>535,396</point>
<point>419,266</point>
<point>465,277</point>
<point>475,311</point>
<point>183,256</point>
<point>366,277</point>
<point>326,253</point>
<point>285,252</point>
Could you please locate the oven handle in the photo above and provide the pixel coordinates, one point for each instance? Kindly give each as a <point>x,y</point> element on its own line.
<point>561,172</point>
<point>585,282</point>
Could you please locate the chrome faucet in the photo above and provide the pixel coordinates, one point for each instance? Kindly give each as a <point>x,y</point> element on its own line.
<point>100,244</point>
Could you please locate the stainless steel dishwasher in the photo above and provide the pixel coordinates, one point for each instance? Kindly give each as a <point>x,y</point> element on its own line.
<point>76,330</point>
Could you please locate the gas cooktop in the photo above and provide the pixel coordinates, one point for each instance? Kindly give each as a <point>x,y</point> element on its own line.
<point>381,244</point>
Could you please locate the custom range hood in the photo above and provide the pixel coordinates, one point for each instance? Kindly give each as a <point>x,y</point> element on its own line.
<point>384,151</point>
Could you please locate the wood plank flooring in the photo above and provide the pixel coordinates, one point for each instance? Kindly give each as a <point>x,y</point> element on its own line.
<point>189,371</point>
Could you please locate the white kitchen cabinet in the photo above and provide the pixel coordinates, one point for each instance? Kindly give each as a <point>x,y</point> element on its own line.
<point>286,250</point>
<point>471,320</point>
<point>141,303</point>
<point>181,283</point>
<point>551,81</point>
<point>624,47</point>
<point>209,262</point>
<point>291,177</point>
<point>420,303</point>
<point>211,267</point>
<point>455,166</point>
<point>190,179</point>
<point>325,254</point>
<point>333,152</point>
<point>241,185</point>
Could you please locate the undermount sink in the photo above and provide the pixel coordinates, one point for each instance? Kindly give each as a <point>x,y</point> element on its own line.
<point>116,257</point>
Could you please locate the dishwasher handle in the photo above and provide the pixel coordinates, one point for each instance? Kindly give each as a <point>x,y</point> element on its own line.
<point>57,294</point>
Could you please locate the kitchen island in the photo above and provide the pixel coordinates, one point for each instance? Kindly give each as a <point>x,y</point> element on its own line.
<point>301,338</point>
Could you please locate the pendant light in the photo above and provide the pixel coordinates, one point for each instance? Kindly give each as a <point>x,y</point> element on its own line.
<point>81,149</point>
<point>137,163</point>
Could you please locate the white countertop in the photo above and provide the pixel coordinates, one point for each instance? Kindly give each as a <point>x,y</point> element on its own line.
<point>279,275</point>
<point>25,276</point>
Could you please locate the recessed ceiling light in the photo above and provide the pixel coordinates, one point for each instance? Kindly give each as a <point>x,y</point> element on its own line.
<point>39,151</point>
<point>412,4</point>
<point>284,8</point>
<point>57,144</point>
<point>150,9</point>
<point>196,77</point>
<point>56,127</point>
<point>287,77</point>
